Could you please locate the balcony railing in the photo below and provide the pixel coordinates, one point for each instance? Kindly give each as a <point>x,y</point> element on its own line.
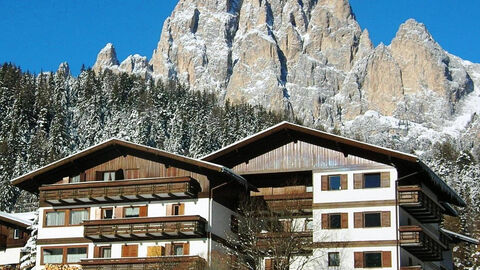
<point>122,190</point>
<point>419,205</point>
<point>150,263</point>
<point>418,267</point>
<point>145,228</point>
<point>421,244</point>
<point>296,203</point>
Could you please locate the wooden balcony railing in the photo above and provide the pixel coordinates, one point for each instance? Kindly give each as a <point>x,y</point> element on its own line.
<point>296,203</point>
<point>421,244</point>
<point>418,267</point>
<point>145,228</point>
<point>150,263</point>
<point>419,205</point>
<point>122,190</point>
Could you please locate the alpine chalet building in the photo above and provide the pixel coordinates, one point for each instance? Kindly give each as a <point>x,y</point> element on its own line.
<point>119,205</point>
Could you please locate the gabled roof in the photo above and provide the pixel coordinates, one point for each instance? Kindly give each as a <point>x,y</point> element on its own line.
<point>285,132</point>
<point>23,220</point>
<point>111,149</point>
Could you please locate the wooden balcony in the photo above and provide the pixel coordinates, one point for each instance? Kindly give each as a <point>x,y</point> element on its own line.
<point>145,228</point>
<point>419,205</point>
<point>421,244</point>
<point>118,191</point>
<point>294,203</point>
<point>418,267</point>
<point>150,263</point>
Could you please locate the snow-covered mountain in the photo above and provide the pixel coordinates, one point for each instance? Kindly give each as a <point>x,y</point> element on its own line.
<point>312,59</point>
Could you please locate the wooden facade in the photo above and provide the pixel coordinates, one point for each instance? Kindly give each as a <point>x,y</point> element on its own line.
<point>150,263</point>
<point>8,239</point>
<point>302,156</point>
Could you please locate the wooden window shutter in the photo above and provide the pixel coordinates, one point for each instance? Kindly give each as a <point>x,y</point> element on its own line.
<point>168,249</point>
<point>268,264</point>
<point>386,259</point>
<point>143,211</point>
<point>119,212</point>
<point>344,181</point>
<point>181,210</point>
<point>385,179</point>
<point>344,220</point>
<point>357,180</point>
<point>98,213</point>
<point>155,251</point>
<point>325,224</point>
<point>96,252</point>
<point>324,182</point>
<point>83,177</point>
<point>386,219</point>
<point>358,258</point>
<point>186,249</point>
<point>358,219</point>
<point>98,175</point>
<point>169,209</point>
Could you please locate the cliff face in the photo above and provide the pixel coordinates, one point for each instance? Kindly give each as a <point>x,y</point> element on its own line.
<point>309,58</point>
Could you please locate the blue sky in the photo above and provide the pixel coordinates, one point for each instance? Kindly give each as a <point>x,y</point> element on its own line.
<point>39,35</point>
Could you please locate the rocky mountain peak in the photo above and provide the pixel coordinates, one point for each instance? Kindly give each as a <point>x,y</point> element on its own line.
<point>107,57</point>
<point>339,8</point>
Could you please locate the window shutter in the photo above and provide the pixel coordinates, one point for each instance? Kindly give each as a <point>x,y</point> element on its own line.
<point>386,219</point>
<point>181,209</point>
<point>385,179</point>
<point>99,176</point>
<point>119,212</point>
<point>155,251</point>
<point>268,264</point>
<point>358,219</point>
<point>386,259</point>
<point>186,249</point>
<point>325,221</point>
<point>357,180</point>
<point>168,249</point>
<point>98,213</point>
<point>96,252</point>
<point>358,257</point>
<point>344,181</point>
<point>324,182</point>
<point>143,211</point>
<point>83,177</point>
<point>344,220</point>
<point>169,209</point>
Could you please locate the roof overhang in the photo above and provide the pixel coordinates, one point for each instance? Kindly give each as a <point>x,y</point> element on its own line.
<point>111,149</point>
<point>285,132</point>
<point>13,220</point>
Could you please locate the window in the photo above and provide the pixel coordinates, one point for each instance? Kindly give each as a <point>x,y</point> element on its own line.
<point>372,259</point>
<point>55,218</point>
<point>333,259</point>
<point>52,255</point>
<point>178,249</point>
<point>131,212</point>
<point>334,182</point>
<point>17,234</point>
<point>75,254</point>
<point>107,213</point>
<point>176,209</point>
<point>106,252</point>
<point>308,225</point>
<point>75,179</point>
<point>109,176</point>
<point>78,216</point>
<point>371,180</point>
<point>335,221</point>
<point>372,220</point>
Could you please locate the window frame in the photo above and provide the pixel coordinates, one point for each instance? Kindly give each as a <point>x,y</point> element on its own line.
<point>66,222</point>
<point>109,172</point>
<point>330,221</point>
<point>101,249</point>
<point>17,234</point>
<point>64,253</point>
<point>330,263</point>
<point>339,182</point>
<point>176,245</point>
<point>132,207</point>
<point>102,214</point>
<point>372,252</point>
<point>370,213</point>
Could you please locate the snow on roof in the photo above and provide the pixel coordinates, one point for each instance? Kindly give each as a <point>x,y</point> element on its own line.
<point>25,219</point>
<point>460,237</point>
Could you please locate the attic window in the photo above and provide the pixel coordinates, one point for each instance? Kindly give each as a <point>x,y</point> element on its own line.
<point>75,179</point>
<point>109,176</point>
